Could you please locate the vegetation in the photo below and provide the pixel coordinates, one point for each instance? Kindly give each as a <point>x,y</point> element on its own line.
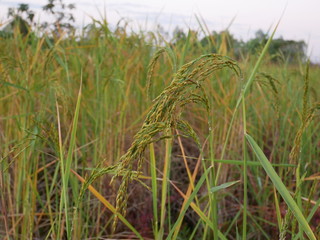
<point>127,136</point>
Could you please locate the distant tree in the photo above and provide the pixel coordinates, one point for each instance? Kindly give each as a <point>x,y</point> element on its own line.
<point>21,19</point>
<point>209,42</point>
<point>222,42</point>
<point>253,45</point>
<point>23,12</point>
<point>161,31</point>
<point>279,49</point>
<point>178,36</point>
<point>261,36</point>
<point>17,24</point>
<point>292,51</point>
<point>62,13</point>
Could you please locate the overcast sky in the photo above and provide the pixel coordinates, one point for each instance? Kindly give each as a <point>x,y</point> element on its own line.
<point>301,19</point>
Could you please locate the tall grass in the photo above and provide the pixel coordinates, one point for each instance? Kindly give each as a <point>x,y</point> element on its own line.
<point>113,107</point>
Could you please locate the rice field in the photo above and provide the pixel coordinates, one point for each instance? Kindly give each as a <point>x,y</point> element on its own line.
<point>118,135</point>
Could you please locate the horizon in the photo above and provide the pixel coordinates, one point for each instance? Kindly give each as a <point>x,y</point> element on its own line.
<point>242,20</point>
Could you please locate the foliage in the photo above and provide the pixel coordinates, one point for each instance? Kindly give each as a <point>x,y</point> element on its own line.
<point>61,12</point>
<point>221,42</point>
<point>280,49</point>
<point>217,42</point>
<point>23,12</point>
<point>63,16</point>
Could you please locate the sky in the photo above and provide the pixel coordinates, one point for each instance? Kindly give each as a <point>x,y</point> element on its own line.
<point>300,19</point>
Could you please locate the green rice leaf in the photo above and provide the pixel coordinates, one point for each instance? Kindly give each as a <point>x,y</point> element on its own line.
<point>280,187</point>
<point>13,85</point>
<point>223,186</point>
<point>192,196</point>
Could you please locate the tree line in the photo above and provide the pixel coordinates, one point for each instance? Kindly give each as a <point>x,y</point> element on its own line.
<point>222,42</point>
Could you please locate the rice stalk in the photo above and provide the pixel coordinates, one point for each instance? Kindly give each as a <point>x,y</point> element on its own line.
<point>310,114</point>
<point>307,116</point>
<point>165,115</point>
<point>272,84</point>
<point>151,67</point>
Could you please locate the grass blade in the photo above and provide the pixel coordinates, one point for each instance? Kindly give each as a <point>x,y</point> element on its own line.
<point>5,83</point>
<point>244,173</point>
<point>280,187</point>
<point>189,202</point>
<point>223,186</point>
<point>164,189</point>
<point>108,205</point>
<point>243,94</point>
<point>154,189</point>
<point>66,163</point>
